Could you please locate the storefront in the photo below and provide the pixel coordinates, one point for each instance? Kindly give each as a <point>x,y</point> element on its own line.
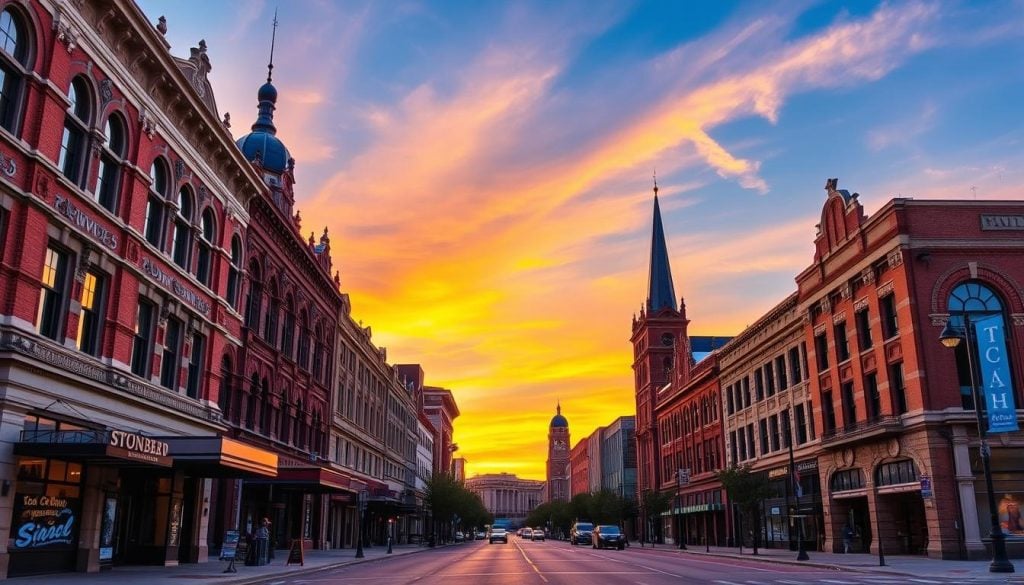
<point>794,509</point>
<point>87,497</point>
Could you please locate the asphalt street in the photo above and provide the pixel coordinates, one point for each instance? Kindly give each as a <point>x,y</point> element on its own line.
<point>557,563</point>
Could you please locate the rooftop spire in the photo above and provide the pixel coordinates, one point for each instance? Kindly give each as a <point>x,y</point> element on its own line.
<point>273,38</point>
<point>660,291</point>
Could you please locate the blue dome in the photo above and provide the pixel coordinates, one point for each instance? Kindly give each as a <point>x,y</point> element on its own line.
<point>263,142</point>
<point>272,151</point>
<point>558,421</point>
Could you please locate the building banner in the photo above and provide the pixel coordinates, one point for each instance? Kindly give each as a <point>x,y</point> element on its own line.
<point>43,522</point>
<point>995,374</point>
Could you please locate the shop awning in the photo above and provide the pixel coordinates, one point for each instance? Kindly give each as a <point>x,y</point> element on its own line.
<point>312,478</point>
<point>217,456</point>
<point>98,447</point>
<point>696,509</point>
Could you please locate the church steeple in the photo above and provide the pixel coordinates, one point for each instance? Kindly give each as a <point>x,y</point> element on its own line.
<point>660,291</point>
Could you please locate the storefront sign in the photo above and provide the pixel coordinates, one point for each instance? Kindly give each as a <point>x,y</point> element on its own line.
<point>132,446</point>
<point>809,465</point>
<point>778,472</point>
<point>995,374</point>
<point>926,487</point>
<point>84,222</point>
<point>166,280</point>
<point>44,522</point>
<point>1002,222</point>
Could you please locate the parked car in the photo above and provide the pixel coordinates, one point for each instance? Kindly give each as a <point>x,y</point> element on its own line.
<point>460,537</point>
<point>580,533</point>
<point>608,536</point>
<point>538,534</point>
<point>496,535</point>
<point>480,535</point>
<point>527,534</point>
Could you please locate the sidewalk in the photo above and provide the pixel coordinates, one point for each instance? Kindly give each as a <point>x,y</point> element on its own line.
<point>917,566</point>
<point>212,572</point>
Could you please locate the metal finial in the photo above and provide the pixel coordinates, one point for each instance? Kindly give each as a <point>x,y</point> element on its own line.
<point>655,182</point>
<point>273,38</point>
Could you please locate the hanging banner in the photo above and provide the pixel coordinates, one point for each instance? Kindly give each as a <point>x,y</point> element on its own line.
<point>995,374</point>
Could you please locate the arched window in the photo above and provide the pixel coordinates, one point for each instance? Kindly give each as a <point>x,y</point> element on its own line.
<point>14,52</point>
<point>895,473</point>
<point>288,331</point>
<point>155,203</point>
<point>300,426</point>
<point>108,176</point>
<point>204,264</point>
<point>316,444</point>
<point>303,357</point>
<point>234,271</point>
<point>74,144</point>
<point>971,301</point>
<point>252,310</point>
<point>318,354</point>
<point>250,411</point>
<point>266,410</point>
<point>273,308</point>
<point>846,480</point>
<point>181,248</point>
<point>224,394</point>
<point>284,433</point>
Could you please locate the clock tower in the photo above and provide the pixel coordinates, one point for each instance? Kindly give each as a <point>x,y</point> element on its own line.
<point>558,457</point>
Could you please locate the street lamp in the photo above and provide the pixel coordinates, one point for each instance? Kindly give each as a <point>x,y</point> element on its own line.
<point>950,337</point>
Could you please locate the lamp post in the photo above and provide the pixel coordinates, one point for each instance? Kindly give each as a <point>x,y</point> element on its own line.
<point>950,337</point>
<point>361,503</point>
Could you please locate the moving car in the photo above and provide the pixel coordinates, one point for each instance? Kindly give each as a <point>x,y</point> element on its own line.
<point>580,533</point>
<point>496,535</point>
<point>608,536</point>
<point>480,535</point>
<point>527,534</point>
<point>538,534</point>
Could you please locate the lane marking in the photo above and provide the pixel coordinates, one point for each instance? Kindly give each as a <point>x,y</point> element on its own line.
<point>925,581</point>
<point>535,568</point>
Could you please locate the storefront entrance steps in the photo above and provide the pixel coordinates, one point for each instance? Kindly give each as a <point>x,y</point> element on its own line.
<point>212,572</point>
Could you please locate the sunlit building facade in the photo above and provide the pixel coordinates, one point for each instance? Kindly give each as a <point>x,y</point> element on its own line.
<point>506,496</point>
<point>558,471</point>
<point>579,468</point>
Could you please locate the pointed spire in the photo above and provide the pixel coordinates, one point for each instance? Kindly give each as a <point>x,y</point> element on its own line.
<point>660,292</point>
<point>267,94</point>
<point>558,408</point>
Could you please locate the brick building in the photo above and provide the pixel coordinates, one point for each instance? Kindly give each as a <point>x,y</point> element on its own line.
<point>579,468</point>
<point>122,202</point>
<point>558,472</point>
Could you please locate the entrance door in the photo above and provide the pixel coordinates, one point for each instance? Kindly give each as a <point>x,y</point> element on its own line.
<point>188,550</point>
<point>143,509</point>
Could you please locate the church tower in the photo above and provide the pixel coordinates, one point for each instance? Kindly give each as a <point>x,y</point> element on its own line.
<point>661,353</point>
<point>558,457</point>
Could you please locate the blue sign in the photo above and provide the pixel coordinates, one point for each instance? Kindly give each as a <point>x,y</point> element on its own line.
<point>926,487</point>
<point>44,522</point>
<point>995,374</point>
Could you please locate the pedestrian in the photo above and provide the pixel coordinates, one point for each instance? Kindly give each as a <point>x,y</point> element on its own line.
<point>848,533</point>
<point>262,542</point>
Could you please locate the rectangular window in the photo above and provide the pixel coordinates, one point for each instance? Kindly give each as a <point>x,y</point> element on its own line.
<point>794,365</point>
<point>195,366</point>
<point>154,221</point>
<point>780,371</point>
<point>863,321</point>
<point>746,391</point>
<point>842,343</point>
<point>763,424</point>
<point>142,346</point>
<point>872,396</point>
<point>787,429</point>
<point>821,351</point>
<point>741,433</point>
<point>769,379</point>
<point>728,398</point>
<point>828,412</point>
<point>90,321</point>
<point>750,439</point>
<point>849,406</point>
<point>53,294</point>
<point>759,384</point>
<point>171,361</point>
<point>773,432</point>
<point>801,425</point>
<point>897,389</point>
<point>890,325</point>
<point>810,419</point>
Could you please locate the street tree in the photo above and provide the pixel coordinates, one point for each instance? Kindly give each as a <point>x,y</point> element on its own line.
<point>746,489</point>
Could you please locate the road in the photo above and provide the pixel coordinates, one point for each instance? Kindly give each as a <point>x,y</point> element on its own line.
<point>557,563</point>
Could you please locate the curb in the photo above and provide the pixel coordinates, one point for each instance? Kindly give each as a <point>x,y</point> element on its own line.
<point>811,563</point>
<point>312,570</point>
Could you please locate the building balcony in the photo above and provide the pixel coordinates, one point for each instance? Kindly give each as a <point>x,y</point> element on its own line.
<point>871,429</point>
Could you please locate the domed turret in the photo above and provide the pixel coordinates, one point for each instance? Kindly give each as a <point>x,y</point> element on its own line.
<point>262,144</point>
<point>558,421</point>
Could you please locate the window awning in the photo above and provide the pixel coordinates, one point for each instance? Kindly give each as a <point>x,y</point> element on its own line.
<point>312,478</point>
<point>216,456</point>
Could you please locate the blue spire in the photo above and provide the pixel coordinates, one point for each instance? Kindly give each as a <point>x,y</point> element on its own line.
<point>660,292</point>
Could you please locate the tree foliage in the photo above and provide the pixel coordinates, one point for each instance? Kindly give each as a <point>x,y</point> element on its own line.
<point>746,489</point>
<point>654,504</point>
<point>453,505</point>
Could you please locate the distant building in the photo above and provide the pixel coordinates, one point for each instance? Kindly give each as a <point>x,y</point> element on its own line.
<point>558,457</point>
<point>459,468</point>
<point>579,468</point>
<point>594,455</point>
<point>618,457</point>
<point>507,497</point>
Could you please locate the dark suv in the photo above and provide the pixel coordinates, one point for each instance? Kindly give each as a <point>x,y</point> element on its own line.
<point>609,536</point>
<point>581,532</point>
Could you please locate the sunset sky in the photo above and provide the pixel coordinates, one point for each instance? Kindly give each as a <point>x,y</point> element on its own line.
<point>485,168</point>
